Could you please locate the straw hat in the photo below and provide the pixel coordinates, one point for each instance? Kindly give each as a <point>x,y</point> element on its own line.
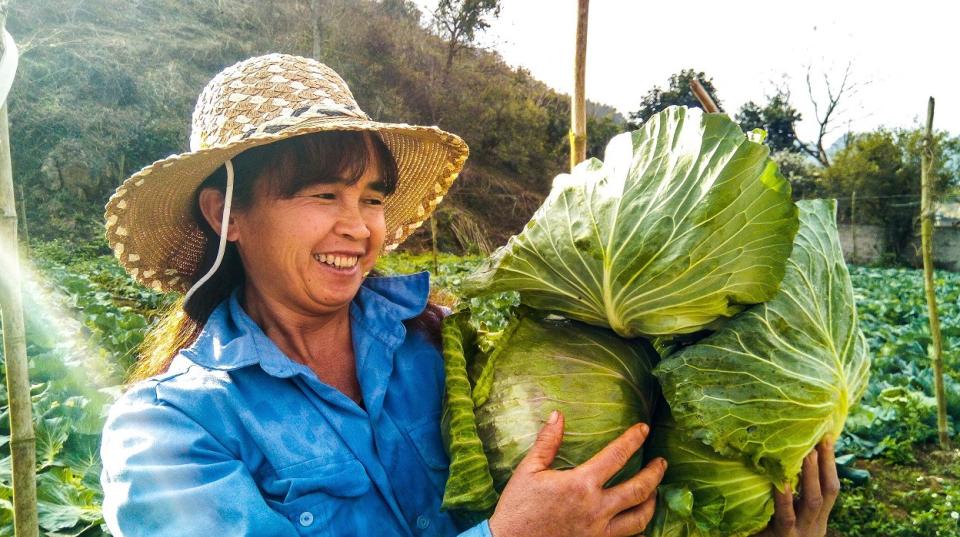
<point>255,102</point>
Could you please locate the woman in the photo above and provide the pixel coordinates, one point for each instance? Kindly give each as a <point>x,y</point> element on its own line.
<point>290,393</point>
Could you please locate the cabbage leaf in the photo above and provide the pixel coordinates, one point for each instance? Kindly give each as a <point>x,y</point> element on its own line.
<point>704,494</point>
<point>775,380</point>
<point>601,383</point>
<point>469,486</point>
<point>686,222</point>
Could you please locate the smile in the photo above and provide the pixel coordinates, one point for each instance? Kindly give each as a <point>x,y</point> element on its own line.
<point>338,261</point>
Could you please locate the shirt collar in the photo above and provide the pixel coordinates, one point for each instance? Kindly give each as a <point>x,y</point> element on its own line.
<point>231,339</point>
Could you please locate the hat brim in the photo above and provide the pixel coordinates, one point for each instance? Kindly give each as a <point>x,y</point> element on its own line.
<point>149,219</point>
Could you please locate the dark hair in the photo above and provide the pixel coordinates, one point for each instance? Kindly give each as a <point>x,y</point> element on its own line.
<point>287,167</point>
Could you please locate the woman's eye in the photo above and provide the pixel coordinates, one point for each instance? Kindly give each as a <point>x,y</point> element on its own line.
<point>375,201</point>
<point>324,196</point>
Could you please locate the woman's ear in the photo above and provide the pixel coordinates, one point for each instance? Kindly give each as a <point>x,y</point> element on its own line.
<point>211,205</point>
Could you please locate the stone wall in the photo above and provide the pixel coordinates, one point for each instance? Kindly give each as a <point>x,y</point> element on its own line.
<point>869,246</point>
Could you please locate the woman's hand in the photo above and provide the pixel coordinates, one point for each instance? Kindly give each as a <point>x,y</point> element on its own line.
<point>541,501</point>
<point>807,515</point>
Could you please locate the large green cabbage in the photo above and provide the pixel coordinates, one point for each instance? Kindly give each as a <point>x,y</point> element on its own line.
<point>603,384</point>
<point>686,227</point>
<point>768,386</point>
<point>703,493</point>
<point>685,222</point>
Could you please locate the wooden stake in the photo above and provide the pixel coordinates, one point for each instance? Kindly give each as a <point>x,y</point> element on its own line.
<point>433,243</point>
<point>926,238</point>
<point>701,94</point>
<point>578,109</point>
<point>853,225</point>
<point>22,438</point>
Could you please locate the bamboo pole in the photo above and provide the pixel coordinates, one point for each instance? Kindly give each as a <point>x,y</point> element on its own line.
<point>578,109</point>
<point>853,224</point>
<point>22,440</point>
<point>433,243</point>
<point>926,238</point>
<point>701,94</point>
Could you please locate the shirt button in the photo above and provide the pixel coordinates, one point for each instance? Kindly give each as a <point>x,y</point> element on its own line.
<point>306,518</point>
<point>423,522</point>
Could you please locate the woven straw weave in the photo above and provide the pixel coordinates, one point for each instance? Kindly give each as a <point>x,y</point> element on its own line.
<point>255,102</point>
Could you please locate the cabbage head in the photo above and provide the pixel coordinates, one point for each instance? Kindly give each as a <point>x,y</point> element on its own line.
<point>685,222</point>
<point>703,493</point>
<point>496,403</point>
<point>768,386</point>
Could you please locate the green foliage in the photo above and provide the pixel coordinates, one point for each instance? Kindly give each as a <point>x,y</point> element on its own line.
<point>903,502</point>
<point>113,307</point>
<point>896,414</point>
<point>883,168</point>
<point>802,172</point>
<point>451,270</point>
<point>489,313</point>
<point>84,319</point>
<point>459,21</point>
<point>777,117</point>
<point>678,93</point>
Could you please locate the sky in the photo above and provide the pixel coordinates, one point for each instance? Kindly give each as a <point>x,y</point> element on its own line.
<point>899,53</point>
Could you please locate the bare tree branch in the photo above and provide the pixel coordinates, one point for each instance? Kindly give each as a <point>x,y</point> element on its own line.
<point>816,148</point>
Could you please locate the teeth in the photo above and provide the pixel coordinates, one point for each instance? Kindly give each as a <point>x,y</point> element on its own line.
<point>338,261</point>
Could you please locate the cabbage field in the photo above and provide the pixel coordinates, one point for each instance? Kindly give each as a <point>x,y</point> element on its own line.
<point>85,318</point>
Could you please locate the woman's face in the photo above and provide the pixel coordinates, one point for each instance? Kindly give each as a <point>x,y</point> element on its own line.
<point>310,252</point>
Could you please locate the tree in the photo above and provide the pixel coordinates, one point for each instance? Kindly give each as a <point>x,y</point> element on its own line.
<point>678,93</point>
<point>406,9</point>
<point>883,168</point>
<point>750,116</point>
<point>777,117</point>
<point>802,172</point>
<point>826,111</point>
<point>459,21</point>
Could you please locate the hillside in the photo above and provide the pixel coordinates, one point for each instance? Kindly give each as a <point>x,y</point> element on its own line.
<point>107,86</point>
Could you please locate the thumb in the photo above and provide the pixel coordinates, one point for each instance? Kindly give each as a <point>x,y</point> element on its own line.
<point>545,447</point>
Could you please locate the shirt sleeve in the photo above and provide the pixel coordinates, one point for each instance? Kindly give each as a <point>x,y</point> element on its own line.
<point>480,530</point>
<point>165,475</point>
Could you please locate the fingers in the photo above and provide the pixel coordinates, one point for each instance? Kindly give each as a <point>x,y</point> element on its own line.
<point>639,488</point>
<point>819,487</point>
<point>811,497</point>
<point>829,481</point>
<point>545,447</point>
<point>602,466</point>
<point>784,518</point>
<point>633,520</point>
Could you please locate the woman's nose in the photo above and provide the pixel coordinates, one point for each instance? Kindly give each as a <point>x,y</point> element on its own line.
<point>350,222</point>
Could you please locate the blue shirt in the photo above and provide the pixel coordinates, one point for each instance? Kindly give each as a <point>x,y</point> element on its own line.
<point>237,439</point>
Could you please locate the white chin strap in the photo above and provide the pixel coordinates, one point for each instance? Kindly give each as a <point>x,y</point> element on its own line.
<point>224,222</point>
